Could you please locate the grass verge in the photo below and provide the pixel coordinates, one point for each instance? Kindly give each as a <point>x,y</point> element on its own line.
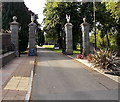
<point>51,47</point>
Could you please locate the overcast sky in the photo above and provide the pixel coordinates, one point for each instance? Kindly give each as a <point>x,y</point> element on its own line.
<point>37,7</point>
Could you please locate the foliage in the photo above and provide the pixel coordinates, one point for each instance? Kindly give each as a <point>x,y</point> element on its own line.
<point>89,58</point>
<point>55,19</point>
<point>114,8</point>
<point>108,34</point>
<point>104,59</point>
<point>102,41</point>
<point>80,56</point>
<point>40,37</point>
<point>10,9</point>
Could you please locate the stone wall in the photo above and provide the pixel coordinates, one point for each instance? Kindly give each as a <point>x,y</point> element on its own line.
<point>6,42</point>
<point>7,49</point>
<point>6,39</point>
<point>6,58</point>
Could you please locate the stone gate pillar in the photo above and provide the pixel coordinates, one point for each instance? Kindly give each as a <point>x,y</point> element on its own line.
<point>85,37</point>
<point>32,38</point>
<point>69,40</point>
<point>14,27</point>
<point>63,41</point>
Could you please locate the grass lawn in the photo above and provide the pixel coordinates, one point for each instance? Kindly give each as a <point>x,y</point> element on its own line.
<point>51,47</point>
<point>48,46</point>
<point>24,52</point>
<point>76,51</point>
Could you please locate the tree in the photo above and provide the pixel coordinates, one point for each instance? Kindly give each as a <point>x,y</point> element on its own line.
<point>18,9</point>
<point>107,26</point>
<point>41,38</point>
<point>55,18</point>
<point>114,9</point>
<point>103,19</point>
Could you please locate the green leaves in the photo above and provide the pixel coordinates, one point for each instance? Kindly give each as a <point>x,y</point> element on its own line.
<point>114,8</point>
<point>107,14</point>
<point>55,19</point>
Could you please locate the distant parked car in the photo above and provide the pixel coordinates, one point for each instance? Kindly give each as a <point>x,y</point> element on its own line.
<point>56,46</point>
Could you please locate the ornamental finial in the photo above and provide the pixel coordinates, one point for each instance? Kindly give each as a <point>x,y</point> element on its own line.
<point>84,19</point>
<point>68,18</point>
<point>32,18</point>
<point>14,18</point>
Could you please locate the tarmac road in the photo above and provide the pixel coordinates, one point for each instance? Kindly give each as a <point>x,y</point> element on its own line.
<point>58,77</point>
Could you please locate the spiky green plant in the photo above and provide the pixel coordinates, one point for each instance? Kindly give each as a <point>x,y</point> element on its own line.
<point>104,59</point>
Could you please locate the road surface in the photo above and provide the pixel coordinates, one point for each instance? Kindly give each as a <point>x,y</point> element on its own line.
<point>58,77</point>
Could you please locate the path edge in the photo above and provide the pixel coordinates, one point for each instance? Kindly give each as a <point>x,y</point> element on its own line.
<point>28,95</point>
<point>95,69</point>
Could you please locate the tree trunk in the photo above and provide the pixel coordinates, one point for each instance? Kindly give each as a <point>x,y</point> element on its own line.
<point>59,35</point>
<point>108,41</point>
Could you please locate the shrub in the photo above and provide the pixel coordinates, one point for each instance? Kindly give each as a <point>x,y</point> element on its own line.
<point>104,59</point>
<point>80,56</point>
<point>89,58</point>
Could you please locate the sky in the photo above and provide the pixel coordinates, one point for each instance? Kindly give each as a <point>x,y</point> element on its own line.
<point>37,7</point>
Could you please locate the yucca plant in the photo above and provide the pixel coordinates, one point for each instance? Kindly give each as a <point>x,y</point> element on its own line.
<point>104,59</point>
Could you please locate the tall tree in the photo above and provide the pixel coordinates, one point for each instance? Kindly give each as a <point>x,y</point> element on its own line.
<point>55,18</point>
<point>40,37</point>
<point>114,9</point>
<point>107,25</point>
<point>20,10</point>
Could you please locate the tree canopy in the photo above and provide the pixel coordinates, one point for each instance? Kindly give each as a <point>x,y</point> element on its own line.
<point>55,18</point>
<point>114,8</point>
<point>18,9</point>
<point>107,18</point>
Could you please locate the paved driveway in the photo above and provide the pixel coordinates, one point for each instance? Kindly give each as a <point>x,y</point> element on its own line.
<point>58,77</point>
